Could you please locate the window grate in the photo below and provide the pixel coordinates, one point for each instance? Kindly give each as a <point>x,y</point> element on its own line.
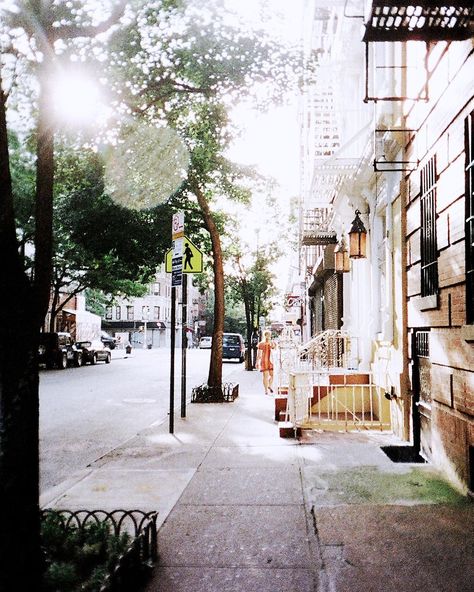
<point>469,226</point>
<point>422,344</point>
<point>429,248</point>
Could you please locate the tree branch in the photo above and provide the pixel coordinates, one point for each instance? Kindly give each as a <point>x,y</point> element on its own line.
<point>75,31</point>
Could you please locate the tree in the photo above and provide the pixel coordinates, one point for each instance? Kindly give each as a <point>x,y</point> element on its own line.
<point>171,73</point>
<point>90,249</point>
<point>24,301</point>
<point>254,286</point>
<point>187,73</point>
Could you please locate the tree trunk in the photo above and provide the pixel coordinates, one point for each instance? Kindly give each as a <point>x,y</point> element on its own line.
<point>248,322</point>
<point>215,367</point>
<point>44,192</point>
<point>19,408</point>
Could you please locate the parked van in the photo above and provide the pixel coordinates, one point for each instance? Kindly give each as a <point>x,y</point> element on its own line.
<point>233,346</point>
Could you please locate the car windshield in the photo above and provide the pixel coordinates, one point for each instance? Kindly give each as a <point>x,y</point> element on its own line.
<point>231,340</point>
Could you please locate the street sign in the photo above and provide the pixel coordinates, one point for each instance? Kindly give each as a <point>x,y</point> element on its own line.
<point>191,258</point>
<point>292,300</point>
<point>177,225</point>
<point>176,278</point>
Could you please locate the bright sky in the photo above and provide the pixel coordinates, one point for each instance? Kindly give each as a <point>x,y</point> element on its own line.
<point>270,140</point>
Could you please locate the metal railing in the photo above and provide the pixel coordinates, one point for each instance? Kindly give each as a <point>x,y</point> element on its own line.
<point>349,401</point>
<point>139,556</point>
<point>287,357</point>
<point>204,393</point>
<point>329,349</point>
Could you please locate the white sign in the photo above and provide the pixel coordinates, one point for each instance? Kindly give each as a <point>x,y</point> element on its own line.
<point>177,225</point>
<point>177,248</point>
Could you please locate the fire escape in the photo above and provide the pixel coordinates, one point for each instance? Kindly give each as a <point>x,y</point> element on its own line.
<point>400,22</point>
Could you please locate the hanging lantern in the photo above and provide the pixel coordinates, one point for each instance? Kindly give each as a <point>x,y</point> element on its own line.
<point>341,257</point>
<point>357,238</point>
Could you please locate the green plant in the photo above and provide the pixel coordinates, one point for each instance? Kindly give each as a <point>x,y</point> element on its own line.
<point>78,559</point>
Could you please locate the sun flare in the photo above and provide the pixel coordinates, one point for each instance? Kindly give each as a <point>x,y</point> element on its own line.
<point>77,99</point>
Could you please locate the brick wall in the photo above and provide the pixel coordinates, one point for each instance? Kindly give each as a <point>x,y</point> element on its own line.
<point>452,357</point>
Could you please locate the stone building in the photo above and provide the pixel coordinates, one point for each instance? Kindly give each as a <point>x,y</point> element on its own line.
<point>387,146</point>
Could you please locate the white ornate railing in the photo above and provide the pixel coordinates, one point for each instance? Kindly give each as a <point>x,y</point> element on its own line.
<point>329,349</point>
<point>287,354</point>
<point>349,401</point>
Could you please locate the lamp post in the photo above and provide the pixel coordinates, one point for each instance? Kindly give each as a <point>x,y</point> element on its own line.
<point>357,238</point>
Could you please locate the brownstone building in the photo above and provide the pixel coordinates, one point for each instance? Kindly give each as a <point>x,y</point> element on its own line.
<point>440,261</point>
<point>388,131</point>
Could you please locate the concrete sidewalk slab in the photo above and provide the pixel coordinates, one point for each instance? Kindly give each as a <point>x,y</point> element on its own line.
<point>251,456</point>
<point>244,510</point>
<point>396,548</point>
<point>244,485</point>
<point>126,489</point>
<point>235,536</point>
<point>199,579</point>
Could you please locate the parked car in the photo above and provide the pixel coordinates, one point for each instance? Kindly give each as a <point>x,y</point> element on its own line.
<point>93,352</point>
<point>57,350</point>
<point>233,346</point>
<point>205,343</point>
<point>108,340</point>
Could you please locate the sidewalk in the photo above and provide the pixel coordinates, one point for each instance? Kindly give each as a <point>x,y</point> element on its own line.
<point>243,510</point>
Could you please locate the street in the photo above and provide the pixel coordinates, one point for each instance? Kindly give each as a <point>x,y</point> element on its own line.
<point>86,412</point>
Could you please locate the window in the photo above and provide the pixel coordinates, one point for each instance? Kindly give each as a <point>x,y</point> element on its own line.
<point>156,313</point>
<point>129,313</point>
<point>157,288</point>
<point>469,229</point>
<point>108,313</point>
<point>145,312</point>
<point>429,248</point>
<point>118,313</point>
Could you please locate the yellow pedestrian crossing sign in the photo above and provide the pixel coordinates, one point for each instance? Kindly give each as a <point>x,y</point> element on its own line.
<point>192,258</point>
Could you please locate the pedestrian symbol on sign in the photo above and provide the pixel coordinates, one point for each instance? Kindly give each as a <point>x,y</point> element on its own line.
<point>188,255</point>
<point>191,258</point>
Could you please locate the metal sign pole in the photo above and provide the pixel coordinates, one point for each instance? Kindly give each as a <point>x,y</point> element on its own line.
<point>173,341</point>
<point>184,342</point>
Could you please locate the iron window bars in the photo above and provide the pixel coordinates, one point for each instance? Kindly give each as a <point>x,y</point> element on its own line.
<point>429,247</point>
<point>469,226</point>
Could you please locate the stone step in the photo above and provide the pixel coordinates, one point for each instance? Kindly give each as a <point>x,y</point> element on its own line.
<point>287,430</point>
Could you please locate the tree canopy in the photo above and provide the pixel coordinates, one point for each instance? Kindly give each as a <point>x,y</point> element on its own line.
<point>160,62</point>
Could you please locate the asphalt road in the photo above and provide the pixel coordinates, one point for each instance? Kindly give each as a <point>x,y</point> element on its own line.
<point>86,412</point>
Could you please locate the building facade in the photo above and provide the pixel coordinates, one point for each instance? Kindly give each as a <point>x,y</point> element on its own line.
<point>387,147</point>
<point>146,321</point>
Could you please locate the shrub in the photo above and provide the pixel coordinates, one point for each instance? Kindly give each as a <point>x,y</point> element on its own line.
<point>78,559</point>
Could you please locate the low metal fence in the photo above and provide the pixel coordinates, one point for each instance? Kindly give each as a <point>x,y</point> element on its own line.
<point>204,393</point>
<point>140,555</point>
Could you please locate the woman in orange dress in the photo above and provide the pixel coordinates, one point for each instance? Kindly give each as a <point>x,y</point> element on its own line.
<point>264,361</point>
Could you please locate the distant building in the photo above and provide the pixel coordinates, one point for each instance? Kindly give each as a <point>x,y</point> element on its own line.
<point>146,321</point>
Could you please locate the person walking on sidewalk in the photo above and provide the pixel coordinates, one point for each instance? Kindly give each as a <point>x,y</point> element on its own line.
<point>264,361</point>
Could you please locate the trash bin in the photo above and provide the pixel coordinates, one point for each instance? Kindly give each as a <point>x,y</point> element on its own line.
<point>128,349</point>
<point>149,346</point>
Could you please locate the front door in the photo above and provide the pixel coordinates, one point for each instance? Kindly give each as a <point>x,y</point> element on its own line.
<point>422,393</point>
